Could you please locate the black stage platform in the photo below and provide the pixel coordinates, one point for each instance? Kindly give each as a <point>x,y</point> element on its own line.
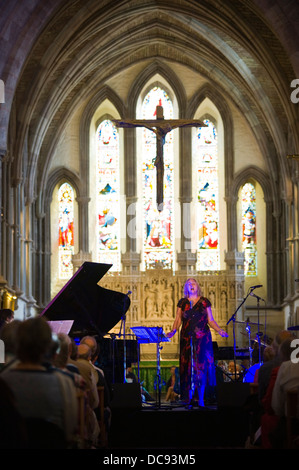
<point>225,424</point>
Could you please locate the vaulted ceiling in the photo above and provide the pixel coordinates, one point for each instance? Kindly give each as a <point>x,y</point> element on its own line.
<point>56,55</point>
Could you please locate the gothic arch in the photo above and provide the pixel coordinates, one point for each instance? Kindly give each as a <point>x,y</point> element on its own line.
<point>145,76</point>
<point>210,92</point>
<point>59,175</point>
<point>257,174</point>
<point>275,266</point>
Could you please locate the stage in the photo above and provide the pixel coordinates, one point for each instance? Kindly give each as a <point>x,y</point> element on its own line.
<point>225,424</point>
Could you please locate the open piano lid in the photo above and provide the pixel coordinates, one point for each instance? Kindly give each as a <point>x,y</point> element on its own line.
<point>92,307</point>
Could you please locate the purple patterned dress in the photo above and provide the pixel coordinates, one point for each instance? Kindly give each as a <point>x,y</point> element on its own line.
<point>195,324</point>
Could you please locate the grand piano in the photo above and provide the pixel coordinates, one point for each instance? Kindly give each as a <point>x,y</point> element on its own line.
<point>93,310</point>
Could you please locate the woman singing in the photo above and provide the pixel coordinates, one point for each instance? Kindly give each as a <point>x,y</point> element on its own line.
<point>194,315</point>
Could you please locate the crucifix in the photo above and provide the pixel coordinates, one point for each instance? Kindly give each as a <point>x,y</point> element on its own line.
<point>160,127</point>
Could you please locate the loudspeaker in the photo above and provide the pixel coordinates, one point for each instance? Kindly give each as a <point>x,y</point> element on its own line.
<point>126,396</point>
<point>232,394</point>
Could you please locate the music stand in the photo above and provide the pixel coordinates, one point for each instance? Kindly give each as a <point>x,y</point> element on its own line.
<point>147,335</point>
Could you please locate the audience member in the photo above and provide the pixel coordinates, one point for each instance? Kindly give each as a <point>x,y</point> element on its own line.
<point>287,379</point>
<point>266,369</point>
<point>269,420</point>
<point>6,316</point>
<point>61,360</point>
<point>87,372</point>
<point>73,350</point>
<point>13,433</point>
<point>100,377</point>
<point>91,342</point>
<point>8,336</point>
<point>41,394</point>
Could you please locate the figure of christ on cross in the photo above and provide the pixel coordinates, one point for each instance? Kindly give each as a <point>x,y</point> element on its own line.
<point>160,127</point>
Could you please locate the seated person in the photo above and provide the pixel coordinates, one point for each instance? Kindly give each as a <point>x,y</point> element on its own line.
<point>41,394</point>
<point>172,385</point>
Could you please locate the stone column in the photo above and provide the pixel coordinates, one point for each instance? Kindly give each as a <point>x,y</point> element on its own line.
<point>232,238</point>
<point>186,259</point>
<point>83,251</point>
<point>131,258</point>
<point>235,295</point>
<point>3,281</point>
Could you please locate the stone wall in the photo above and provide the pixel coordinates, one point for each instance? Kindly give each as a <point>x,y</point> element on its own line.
<point>154,298</point>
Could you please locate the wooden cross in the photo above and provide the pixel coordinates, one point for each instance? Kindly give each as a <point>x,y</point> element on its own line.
<point>160,127</point>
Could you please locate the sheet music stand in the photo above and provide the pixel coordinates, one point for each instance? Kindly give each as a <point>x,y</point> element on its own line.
<point>147,335</point>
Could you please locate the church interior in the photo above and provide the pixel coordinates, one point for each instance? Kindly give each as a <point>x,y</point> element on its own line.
<point>82,87</point>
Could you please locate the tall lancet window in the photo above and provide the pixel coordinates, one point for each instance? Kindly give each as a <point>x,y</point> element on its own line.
<point>205,146</point>
<point>108,195</point>
<point>249,229</point>
<point>66,230</point>
<point>158,233</point>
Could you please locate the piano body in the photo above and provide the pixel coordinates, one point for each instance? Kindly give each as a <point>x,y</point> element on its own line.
<point>94,311</point>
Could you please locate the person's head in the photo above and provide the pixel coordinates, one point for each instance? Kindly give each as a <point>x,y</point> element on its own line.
<point>91,342</point>
<point>9,336</point>
<point>191,287</point>
<point>268,353</point>
<point>279,338</point>
<point>34,338</point>
<point>6,316</point>
<point>84,352</point>
<point>61,358</point>
<point>73,349</point>
<point>172,370</point>
<point>285,349</point>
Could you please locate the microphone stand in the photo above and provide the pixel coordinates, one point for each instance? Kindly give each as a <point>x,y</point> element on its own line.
<point>258,323</point>
<point>248,330</point>
<point>124,336</point>
<point>192,388</point>
<point>233,319</point>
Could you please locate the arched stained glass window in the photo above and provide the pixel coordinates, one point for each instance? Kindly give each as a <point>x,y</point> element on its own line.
<point>158,234</point>
<point>205,147</point>
<point>66,230</point>
<point>249,229</point>
<point>108,195</point>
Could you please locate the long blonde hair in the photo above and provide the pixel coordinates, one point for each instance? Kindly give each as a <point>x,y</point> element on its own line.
<point>186,290</point>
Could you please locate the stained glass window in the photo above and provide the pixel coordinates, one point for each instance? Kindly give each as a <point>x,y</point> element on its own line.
<point>66,230</point>
<point>158,249</point>
<point>249,229</point>
<point>205,147</point>
<point>108,195</point>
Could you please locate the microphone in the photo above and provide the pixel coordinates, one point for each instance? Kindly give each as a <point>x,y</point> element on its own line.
<point>296,280</point>
<point>129,292</point>
<point>256,296</point>
<point>255,287</point>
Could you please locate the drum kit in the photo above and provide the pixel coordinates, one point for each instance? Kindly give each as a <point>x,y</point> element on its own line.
<point>260,340</point>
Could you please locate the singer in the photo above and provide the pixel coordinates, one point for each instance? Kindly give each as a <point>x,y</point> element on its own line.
<point>194,316</point>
